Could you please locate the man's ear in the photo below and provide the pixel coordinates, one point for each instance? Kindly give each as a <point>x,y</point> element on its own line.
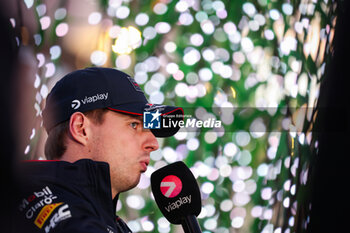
<point>79,127</point>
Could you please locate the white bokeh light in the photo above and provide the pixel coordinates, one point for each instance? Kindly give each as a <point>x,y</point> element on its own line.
<point>123,61</point>
<point>94,18</point>
<point>181,89</point>
<point>141,19</point>
<point>135,201</point>
<point>191,57</point>
<point>98,58</point>
<point>192,144</point>
<point>230,149</point>
<point>122,12</point>
<point>207,27</point>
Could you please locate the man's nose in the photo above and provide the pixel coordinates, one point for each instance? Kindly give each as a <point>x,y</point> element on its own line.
<point>151,142</point>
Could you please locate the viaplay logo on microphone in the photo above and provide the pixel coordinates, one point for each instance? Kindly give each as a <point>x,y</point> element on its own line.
<point>171,186</point>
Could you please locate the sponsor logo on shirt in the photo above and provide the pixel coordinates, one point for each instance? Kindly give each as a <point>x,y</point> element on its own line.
<point>36,201</point>
<point>45,213</point>
<point>63,213</point>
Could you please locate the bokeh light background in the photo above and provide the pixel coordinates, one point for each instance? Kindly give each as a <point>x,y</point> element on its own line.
<point>262,61</point>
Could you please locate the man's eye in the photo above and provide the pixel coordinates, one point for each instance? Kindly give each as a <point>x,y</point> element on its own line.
<point>134,125</point>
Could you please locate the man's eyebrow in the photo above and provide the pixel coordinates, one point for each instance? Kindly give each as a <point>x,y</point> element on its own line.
<point>140,118</point>
<point>130,116</point>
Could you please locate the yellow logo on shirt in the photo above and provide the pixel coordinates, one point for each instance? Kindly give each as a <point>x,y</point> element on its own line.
<point>44,214</point>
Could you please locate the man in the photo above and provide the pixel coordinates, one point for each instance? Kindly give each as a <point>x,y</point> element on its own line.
<point>97,148</point>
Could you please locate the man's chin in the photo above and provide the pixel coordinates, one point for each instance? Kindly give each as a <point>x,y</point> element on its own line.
<point>134,184</point>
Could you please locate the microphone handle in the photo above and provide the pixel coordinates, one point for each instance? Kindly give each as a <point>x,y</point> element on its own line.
<point>190,224</point>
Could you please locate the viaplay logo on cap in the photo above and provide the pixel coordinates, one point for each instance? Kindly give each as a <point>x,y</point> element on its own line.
<point>75,104</point>
<point>171,186</point>
<point>89,99</point>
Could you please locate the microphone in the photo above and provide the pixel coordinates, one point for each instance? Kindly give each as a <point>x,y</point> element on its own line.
<point>177,195</point>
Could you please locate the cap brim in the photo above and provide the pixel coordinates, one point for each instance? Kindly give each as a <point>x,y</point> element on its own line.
<point>174,113</point>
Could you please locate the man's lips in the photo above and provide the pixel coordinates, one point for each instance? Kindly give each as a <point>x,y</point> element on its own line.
<point>144,164</point>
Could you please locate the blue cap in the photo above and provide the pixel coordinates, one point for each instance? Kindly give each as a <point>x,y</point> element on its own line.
<point>98,88</point>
